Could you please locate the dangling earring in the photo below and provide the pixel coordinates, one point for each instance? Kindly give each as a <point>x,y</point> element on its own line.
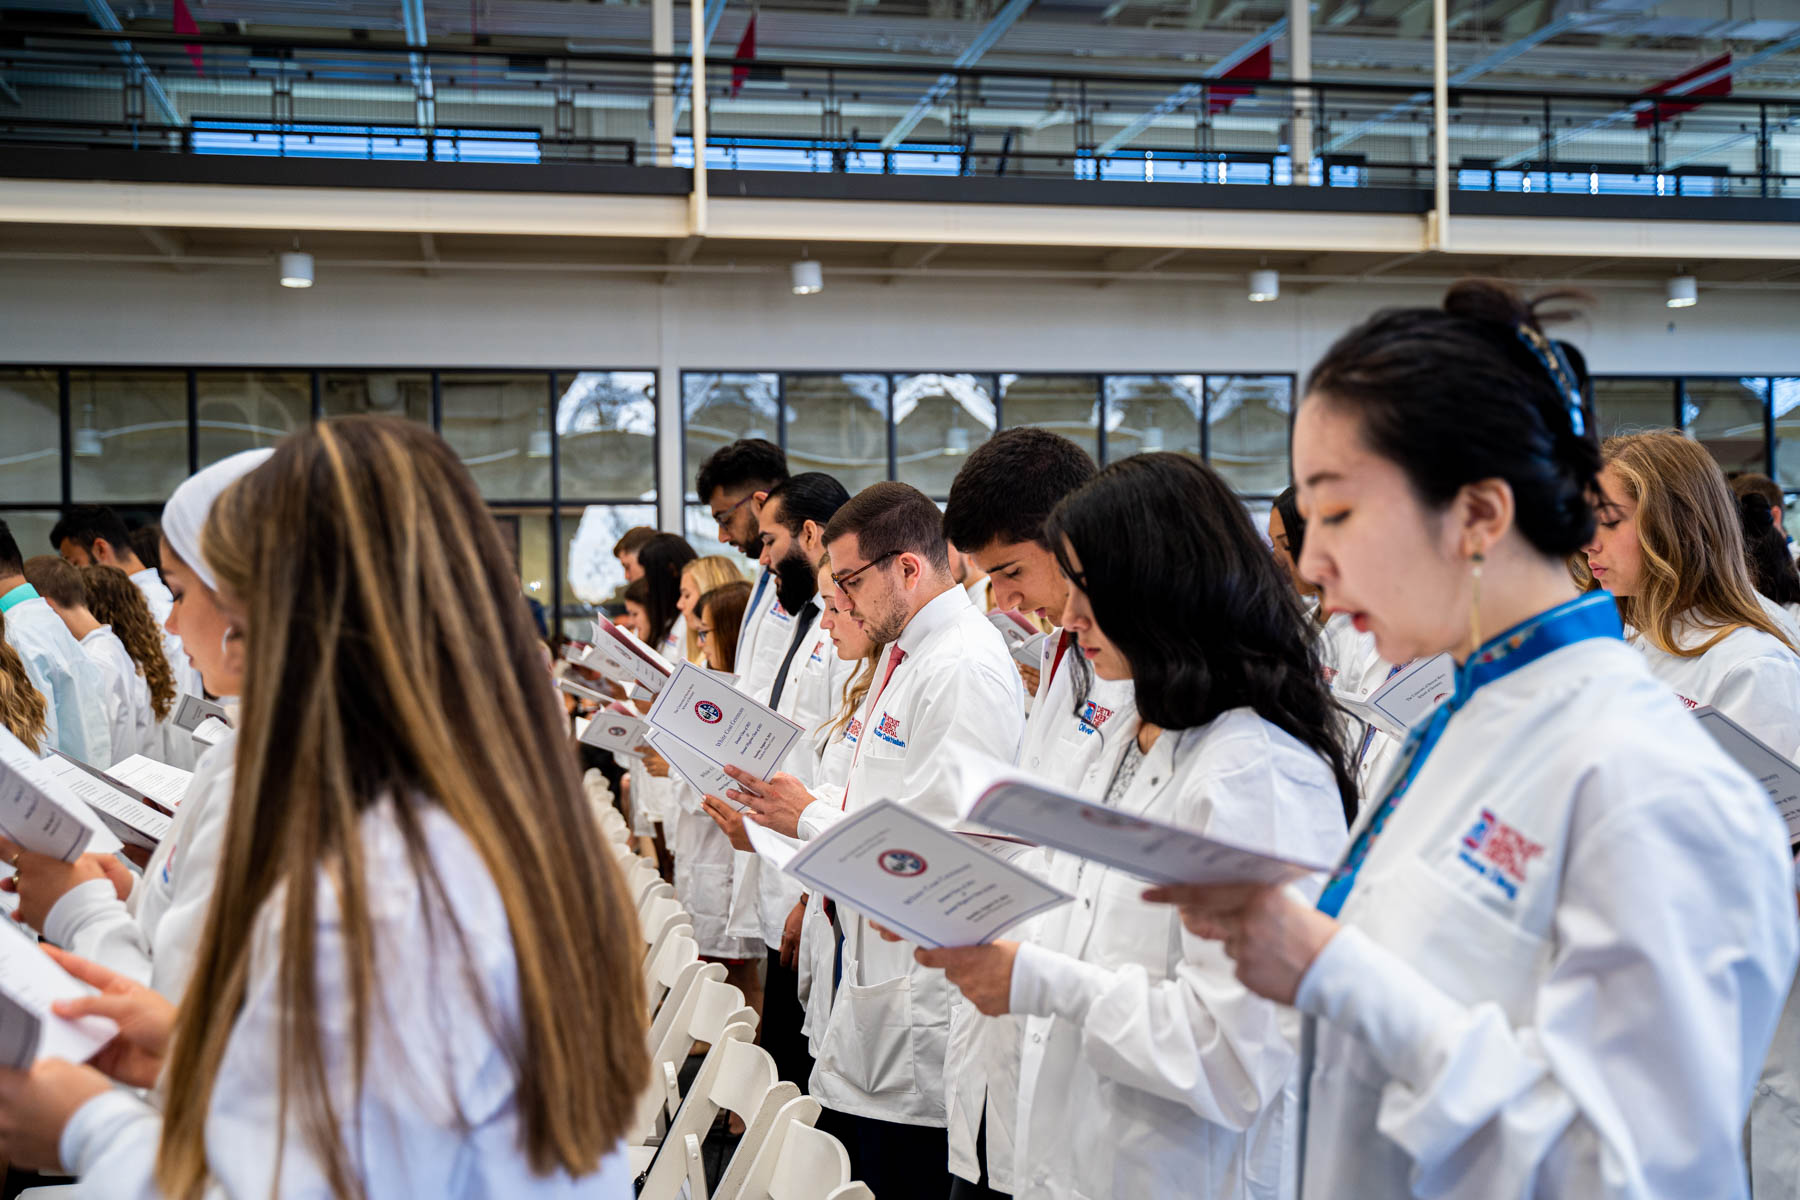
<point>1475,561</point>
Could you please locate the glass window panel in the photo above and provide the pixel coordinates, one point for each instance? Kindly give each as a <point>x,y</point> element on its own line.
<point>938,419</point>
<point>1146,413</point>
<point>383,393</point>
<point>129,431</point>
<point>838,424</point>
<point>1784,395</point>
<point>525,532</point>
<point>1065,404</point>
<point>591,575</point>
<point>1726,416</point>
<point>242,410</point>
<point>499,425</point>
<point>30,437</point>
<point>1248,418</point>
<point>31,529</point>
<point>606,421</point>
<point>1633,405</point>
<point>717,409</point>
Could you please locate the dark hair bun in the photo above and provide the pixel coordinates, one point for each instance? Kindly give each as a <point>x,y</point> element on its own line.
<point>1458,394</point>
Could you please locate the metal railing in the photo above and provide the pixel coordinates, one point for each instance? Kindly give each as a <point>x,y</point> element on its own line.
<point>190,94</point>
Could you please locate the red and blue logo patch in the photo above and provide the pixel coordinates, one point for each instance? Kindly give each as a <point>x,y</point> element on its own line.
<point>1498,852</point>
<point>709,712</point>
<point>1093,716</point>
<point>853,731</point>
<point>888,730</point>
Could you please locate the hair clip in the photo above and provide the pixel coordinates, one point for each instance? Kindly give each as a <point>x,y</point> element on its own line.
<point>1556,364</point>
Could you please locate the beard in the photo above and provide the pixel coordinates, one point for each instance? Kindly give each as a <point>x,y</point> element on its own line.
<point>795,582</point>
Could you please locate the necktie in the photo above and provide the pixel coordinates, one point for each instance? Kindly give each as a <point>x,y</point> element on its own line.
<point>895,657</point>
<point>807,612</point>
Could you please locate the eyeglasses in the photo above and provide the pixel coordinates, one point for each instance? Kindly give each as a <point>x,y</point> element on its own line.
<point>700,633</point>
<point>843,580</point>
<point>722,517</point>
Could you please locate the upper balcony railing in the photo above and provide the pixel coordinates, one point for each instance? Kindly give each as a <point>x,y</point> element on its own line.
<point>214,95</point>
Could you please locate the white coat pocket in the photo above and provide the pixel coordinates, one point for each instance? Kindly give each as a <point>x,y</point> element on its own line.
<point>873,1049</point>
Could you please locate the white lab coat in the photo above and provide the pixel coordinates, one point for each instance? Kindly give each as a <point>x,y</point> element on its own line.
<point>981,1066</point>
<point>818,939</point>
<point>1148,1069</point>
<point>813,688</point>
<point>436,1058</point>
<point>762,638</point>
<point>177,744</point>
<point>1783,618</point>
<point>1749,676</point>
<point>882,1055</point>
<point>1561,963</point>
<point>704,869</point>
<point>152,935</point>
<point>71,684</point>
<point>131,721</point>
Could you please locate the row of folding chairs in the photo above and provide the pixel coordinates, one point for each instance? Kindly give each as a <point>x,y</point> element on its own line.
<point>780,1156</point>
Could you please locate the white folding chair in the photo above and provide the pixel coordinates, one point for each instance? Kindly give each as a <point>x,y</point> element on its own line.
<point>678,955</point>
<point>678,1005</point>
<point>703,1016</point>
<point>657,916</point>
<point>795,1161</point>
<point>737,1076</point>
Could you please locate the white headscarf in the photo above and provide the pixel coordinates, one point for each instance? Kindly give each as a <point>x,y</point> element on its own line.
<point>184,516</point>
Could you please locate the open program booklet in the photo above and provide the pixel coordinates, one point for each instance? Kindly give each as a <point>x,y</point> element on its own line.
<point>1775,771</point>
<point>1148,850</point>
<point>902,871</point>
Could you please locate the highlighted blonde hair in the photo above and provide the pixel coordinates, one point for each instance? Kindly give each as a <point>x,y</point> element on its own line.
<point>22,708</point>
<point>387,658</point>
<point>710,573</point>
<point>1691,540</point>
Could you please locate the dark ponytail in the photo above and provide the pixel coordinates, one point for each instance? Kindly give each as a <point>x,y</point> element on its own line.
<point>1475,390</point>
<point>1183,585</point>
<point>1765,550</point>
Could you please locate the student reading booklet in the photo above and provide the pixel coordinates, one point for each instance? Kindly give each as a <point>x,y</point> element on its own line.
<point>1775,771</point>
<point>1407,697</point>
<point>918,879</point>
<point>30,981</point>
<point>1147,850</point>
<point>40,813</point>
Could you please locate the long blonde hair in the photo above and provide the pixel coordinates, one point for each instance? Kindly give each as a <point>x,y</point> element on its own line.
<point>115,600</point>
<point>859,684</point>
<point>1691,541</point>
<point>710,573</point>
<point>389,657</point>
<point>22,707</point>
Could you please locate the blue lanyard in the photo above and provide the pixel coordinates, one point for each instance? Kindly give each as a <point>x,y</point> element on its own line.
<point>1594,615</point>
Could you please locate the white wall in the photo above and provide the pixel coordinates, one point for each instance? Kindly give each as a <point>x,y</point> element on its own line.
<point>93,313</point>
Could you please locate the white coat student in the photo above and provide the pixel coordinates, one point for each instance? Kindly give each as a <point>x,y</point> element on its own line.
<point>1062,743</point>
<point>130,722</point>
<point>131,725</point>
<point>1696,616</point>
<point>436,1074</point>
<point>178,746</point>
<point>1147,1068</point>
<point>996,513</point>
<point>73,688</point>
<point>1552,957</point>
<point>150,936</point>
<point>946,684</point>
